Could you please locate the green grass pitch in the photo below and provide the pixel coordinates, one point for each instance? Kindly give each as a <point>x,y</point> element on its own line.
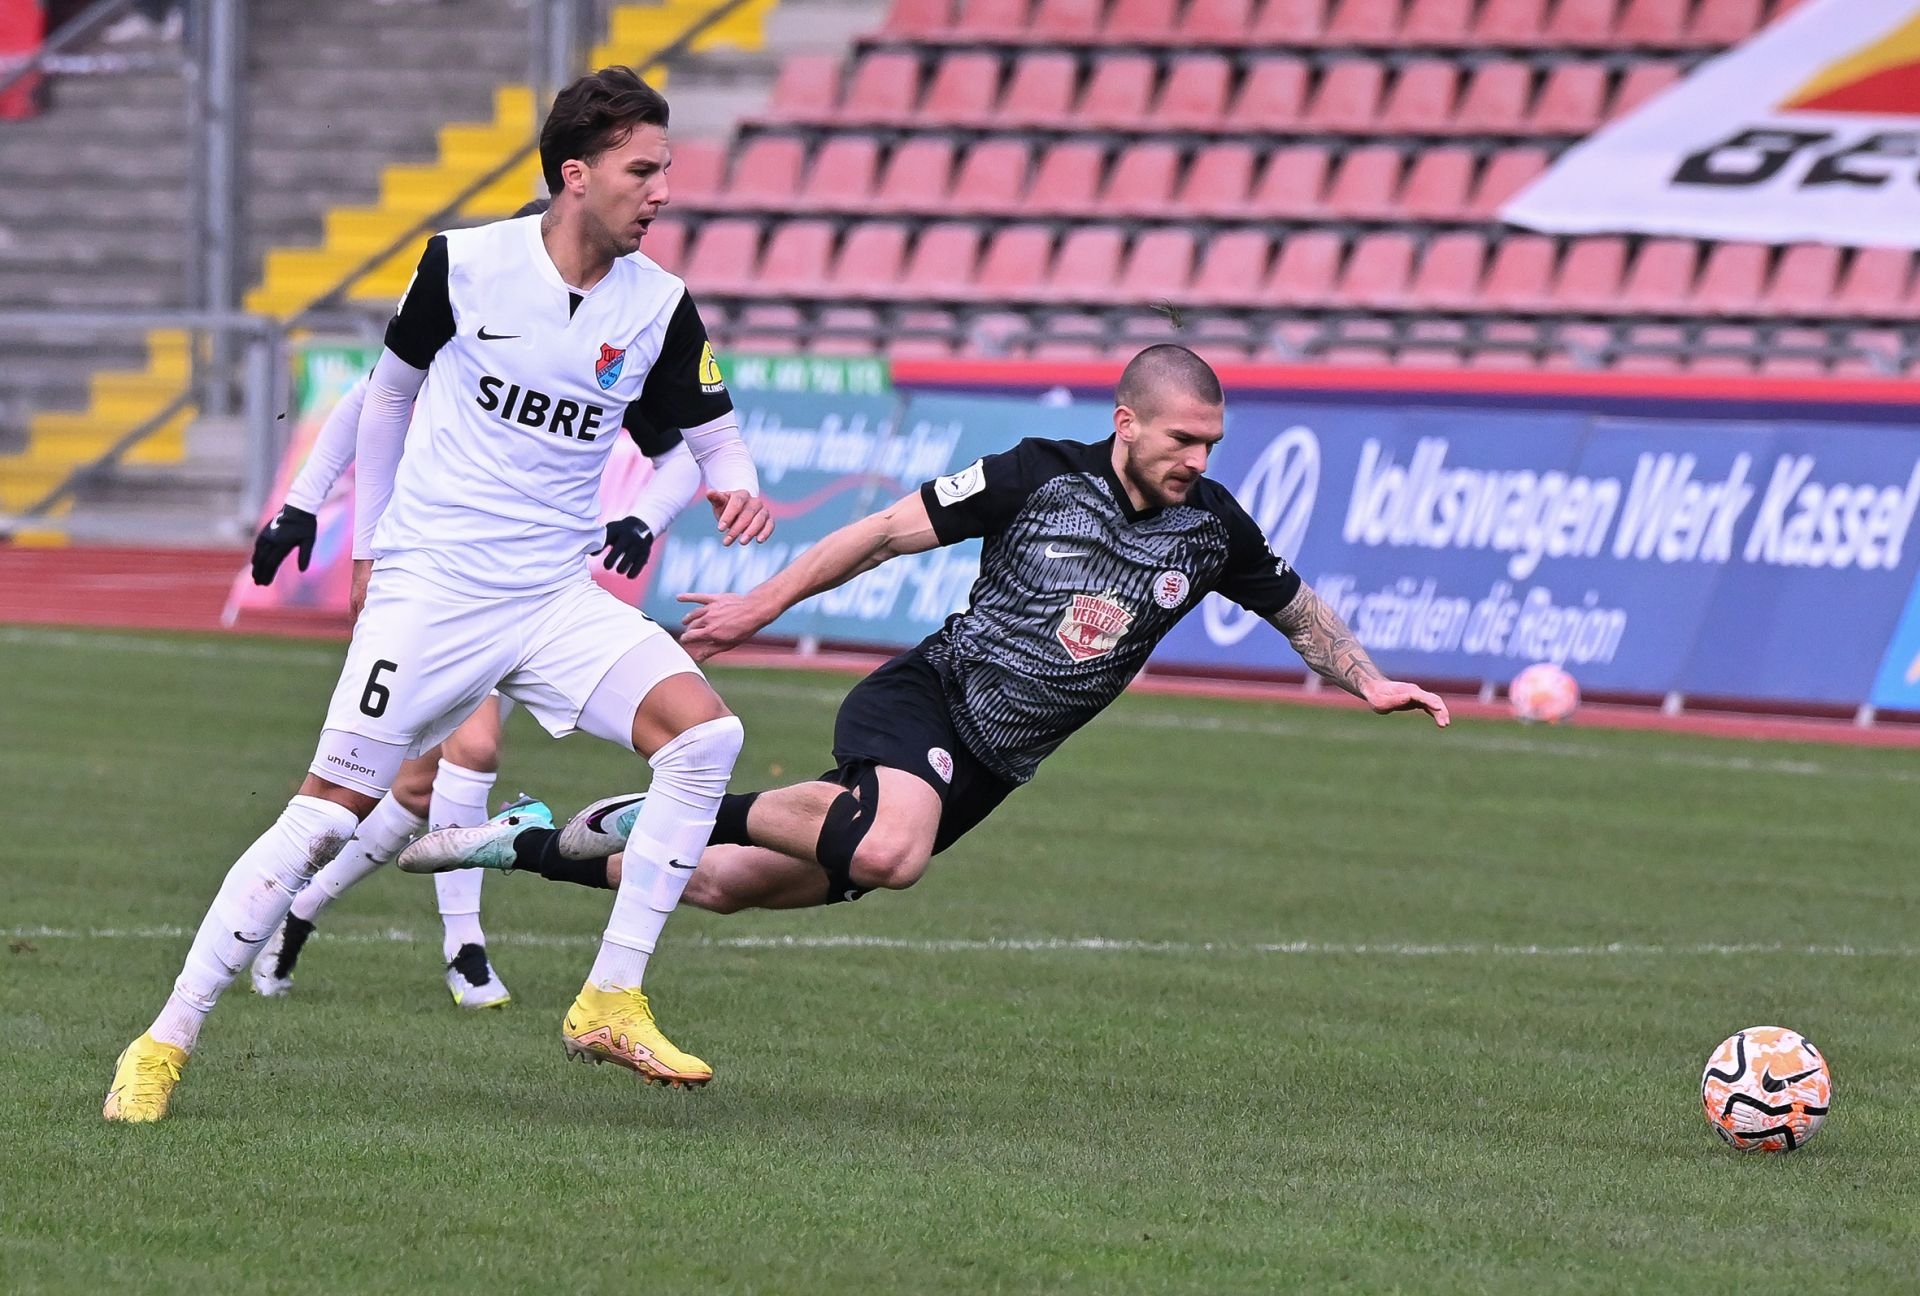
<point>1234,998</point>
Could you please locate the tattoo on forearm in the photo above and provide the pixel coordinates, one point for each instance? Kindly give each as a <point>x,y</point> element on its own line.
<point>1324,642</point>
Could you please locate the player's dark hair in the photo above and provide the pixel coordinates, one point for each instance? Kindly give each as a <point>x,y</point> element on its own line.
<point>1163,370</point>
<point>596,113</point>
<point>537,207</point>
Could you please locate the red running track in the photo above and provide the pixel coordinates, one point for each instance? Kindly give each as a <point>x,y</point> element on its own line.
<point>186,589</point>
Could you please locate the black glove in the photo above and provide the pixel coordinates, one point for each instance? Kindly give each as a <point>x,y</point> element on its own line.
<point>628,545</point>
<point>290,529</point>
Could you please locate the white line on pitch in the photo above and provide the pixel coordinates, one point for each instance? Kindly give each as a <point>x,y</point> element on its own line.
<point>1056,944</point>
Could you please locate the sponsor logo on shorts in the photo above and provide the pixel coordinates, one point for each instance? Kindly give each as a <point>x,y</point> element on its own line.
<point>349,766</point>
<point>1093,625</point>
<point>954,487</point>
<point>942,761</point>
<point>1170,589</point>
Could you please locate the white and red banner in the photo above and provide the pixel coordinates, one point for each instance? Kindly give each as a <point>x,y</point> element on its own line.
<point>1808,132</point>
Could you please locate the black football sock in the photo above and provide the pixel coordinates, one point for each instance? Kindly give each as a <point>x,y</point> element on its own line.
<point>730,824</point>
<point>537,850</point>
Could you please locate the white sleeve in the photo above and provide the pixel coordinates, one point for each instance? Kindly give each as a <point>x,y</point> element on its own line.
<point>674,485</point>
<point>383,432</point>
<point>332,452</point>
<point>723,455</point>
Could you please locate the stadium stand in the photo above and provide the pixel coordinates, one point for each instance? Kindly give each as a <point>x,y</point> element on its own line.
<point>1309,179</point>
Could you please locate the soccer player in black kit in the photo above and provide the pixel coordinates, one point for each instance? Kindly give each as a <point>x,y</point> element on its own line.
<point>1093,553</point>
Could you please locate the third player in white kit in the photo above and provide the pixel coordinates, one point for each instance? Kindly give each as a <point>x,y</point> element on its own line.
<point>515,351</point>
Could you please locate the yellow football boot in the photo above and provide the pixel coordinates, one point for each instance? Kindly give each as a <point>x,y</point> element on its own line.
<point>617,1026</point>
<point>143,1080</point>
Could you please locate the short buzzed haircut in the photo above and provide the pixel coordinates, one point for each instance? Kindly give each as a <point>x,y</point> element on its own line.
<point>596,113</point>
<point>1162,371</point>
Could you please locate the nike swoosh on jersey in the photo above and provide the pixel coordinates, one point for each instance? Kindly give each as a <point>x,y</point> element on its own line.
<point>1052,552</point>
<point>495,337</point>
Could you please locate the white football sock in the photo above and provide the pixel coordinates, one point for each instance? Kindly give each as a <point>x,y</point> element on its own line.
<point>255,896</point>
<point>459,801</point>
<point>689,777</point>
<point>384,832</point>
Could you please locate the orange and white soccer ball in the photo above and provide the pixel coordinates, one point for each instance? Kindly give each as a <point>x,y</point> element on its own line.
<point>1766,1090</point>
<point>1543,692</point>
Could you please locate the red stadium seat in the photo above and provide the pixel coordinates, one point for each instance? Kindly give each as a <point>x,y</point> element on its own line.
<point>1350,355</point>
<point>1437,22</point>
<point>1304,272</point>
<point>941,266</point>
<point>1581,23</point>
<point>915,177</point>
<point>1449,274</point>
<point>1798,353</point>
<point>1087,265</point>
<point>1225,22</point>
<point>795,262</point>
<point>1805,281</point>
<point>884,89</point>
<point>1521,275</point>
<point>1661,281</point>
<point>1511,22</point>
<point>766,173</point>
<point>699,168</point>
<point>1495,100</point>
<point>1365,185</point>
<point>666,244</point>
<point>1217,183</point>
<point>1015,264</point>
<point>1378,271</point>
<point>1509,171</point>
<point>1429,357</point>
<point>1642,82</point>
<point>992,20</point>
<point>1650,349</point>
<point>1572,99</point>
<point>1272,97</point>
<point>1141,181</point>
<point>1067,179</point>
<point>1724,22</point>
<point>1364,22</point>
<point>921,334</point>
<point>1348,98</point>
<point>807,89</point>
<point>1233,266</point>
<point>1288,22</point>
<point>1506,344</point>
<point>1875,353</point>
<point>1423,94</point>
<point>1652,22</point>
<point>992,179</point>
<point>1437,185</point>
<point>724,255</point>
<point>918,18</point>
<point>1590,275</point>
<point>1160,264</point>
<point>1732,278</point>
<point>962,92</point>
<point>841,176</point>
<point>1195,94</point>
<point>1292,183</point>
<point>1040,92</point>
<point>1065,20</point>
<point>1117,93</point>
<point>1725,349</point>
<point>1874,284</point>
<point>871,259</point>
<point>1145,22</point>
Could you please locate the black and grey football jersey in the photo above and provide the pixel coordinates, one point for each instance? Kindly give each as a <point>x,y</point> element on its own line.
<point>1076,588</point>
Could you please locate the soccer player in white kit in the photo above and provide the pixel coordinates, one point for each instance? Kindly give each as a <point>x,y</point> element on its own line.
<point>516,348</point>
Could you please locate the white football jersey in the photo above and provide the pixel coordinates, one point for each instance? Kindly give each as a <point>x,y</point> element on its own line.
<point>528,386</point>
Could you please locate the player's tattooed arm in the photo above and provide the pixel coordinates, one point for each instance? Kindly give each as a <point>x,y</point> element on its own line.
<point>1326,644</point>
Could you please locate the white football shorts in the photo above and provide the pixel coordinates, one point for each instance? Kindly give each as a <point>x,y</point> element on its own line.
<point>424,656</point>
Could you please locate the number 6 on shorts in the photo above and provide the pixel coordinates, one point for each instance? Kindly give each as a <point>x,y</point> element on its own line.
<point>374,701</point>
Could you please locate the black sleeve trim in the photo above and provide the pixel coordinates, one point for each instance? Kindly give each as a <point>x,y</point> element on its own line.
<point>653,441</point>
<point>424,322</point>
<point>677,393</point>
